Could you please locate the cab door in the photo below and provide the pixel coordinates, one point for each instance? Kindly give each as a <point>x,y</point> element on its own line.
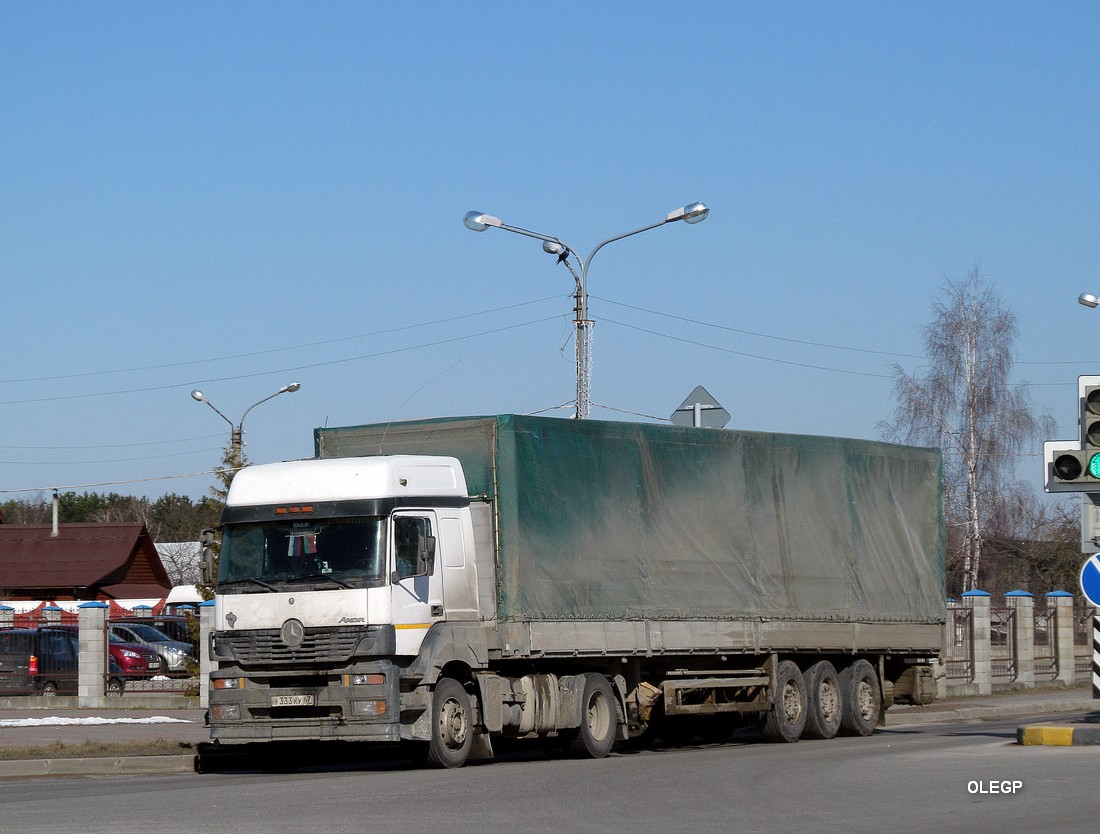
<point>416,589</point>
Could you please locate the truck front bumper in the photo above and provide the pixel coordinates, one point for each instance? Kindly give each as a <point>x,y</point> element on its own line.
<point>356,703</point>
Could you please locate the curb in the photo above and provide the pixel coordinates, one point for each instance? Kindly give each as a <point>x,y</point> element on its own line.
<point>973,712</point>
<point>124,765</point>
<point>1051,735</point>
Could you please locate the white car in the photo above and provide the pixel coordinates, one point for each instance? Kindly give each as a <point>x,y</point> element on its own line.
<point>174,652</point>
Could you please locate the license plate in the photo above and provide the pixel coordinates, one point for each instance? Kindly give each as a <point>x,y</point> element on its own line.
<point>291,700</point>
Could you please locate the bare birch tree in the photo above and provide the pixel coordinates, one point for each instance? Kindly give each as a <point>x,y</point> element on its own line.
<point>964,404</point>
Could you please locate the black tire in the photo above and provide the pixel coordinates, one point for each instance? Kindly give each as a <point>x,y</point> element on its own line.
<point>452,725</point>
<point>823,701</point>
<point>860,698</point>
<point>49,688</point>
<point>599,719</point>
<point>114,688</point>
<point>787,718</point>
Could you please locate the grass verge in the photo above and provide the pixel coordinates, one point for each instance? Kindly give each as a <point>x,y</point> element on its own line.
<point>97,750</point>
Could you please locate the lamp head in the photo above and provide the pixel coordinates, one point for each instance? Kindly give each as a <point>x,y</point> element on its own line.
<point>197,395</point>
<point>693,213</point>
<point>1088,299</point>
<point>477,221</point>
<point>294,386</point>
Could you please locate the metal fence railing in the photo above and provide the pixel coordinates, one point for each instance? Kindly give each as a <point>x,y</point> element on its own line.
<point>1082,639</point>
<point>1003,644</point>
<point>1046,642</point>
<point>959,651</point>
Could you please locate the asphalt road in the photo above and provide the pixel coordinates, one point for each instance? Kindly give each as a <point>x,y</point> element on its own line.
<point>967,776</point>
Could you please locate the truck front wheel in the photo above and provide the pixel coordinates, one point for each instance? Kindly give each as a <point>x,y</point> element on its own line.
<point>452,725</point>
<point>599,719</point>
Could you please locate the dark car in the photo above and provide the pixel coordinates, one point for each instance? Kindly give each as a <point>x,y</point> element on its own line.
<point>45,660</point>
<point>38,660</point>
<point>134,660</point>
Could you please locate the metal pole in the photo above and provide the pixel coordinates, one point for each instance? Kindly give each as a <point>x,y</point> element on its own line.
<point>1096,654</point>
<point>479,222</point>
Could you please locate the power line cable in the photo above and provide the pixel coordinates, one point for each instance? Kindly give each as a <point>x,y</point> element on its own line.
<point>113,460</point>
<point>814,344</point>
<point>279,370</point>
<point>283,349</point>
<point>112,446</point>
<point>759,335</point>
<point>745,354</point>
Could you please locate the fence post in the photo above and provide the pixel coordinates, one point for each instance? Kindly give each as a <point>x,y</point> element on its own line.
<point>948,647</point>
<point>1023,624</point>
<point>206,664</point>
<point>1062,601</point>
<point>51,614</point>
<point>7,616</point>
<point>92,623</point>
<point>983,650</point>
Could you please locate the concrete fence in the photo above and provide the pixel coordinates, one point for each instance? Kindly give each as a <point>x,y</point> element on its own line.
<point>92,677</point>
<point>1015,644</point>
<point>987,647</point>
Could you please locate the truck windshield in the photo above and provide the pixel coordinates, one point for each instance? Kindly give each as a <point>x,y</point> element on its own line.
<point>336,552</point>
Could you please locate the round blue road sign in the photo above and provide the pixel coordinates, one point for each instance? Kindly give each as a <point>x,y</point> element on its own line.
<point>1090,580</point>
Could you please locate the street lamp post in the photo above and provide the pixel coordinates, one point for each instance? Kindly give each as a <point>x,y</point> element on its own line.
<point>478,222</point>
<point>236,437</point>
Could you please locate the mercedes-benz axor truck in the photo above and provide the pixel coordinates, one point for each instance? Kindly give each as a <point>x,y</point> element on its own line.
<point>445,583</point>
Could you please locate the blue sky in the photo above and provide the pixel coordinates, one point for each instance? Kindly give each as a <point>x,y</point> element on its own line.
<point>233,196</point>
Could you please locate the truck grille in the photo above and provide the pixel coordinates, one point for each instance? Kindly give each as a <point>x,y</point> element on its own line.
<point>320,645</point>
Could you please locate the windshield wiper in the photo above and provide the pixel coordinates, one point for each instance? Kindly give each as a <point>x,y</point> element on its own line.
<point>310,576</point>
<point>253,580</point>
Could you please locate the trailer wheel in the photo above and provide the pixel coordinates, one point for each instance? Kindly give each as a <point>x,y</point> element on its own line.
<point>49,688</point>
<point>452,725</point>
<point>824,703</point>
<point>787,718</point>
<point>599,719</point>
<point>860,699</point>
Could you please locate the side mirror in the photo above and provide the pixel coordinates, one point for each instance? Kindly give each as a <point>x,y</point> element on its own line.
<point>425,556</point>
<point>206,558</point>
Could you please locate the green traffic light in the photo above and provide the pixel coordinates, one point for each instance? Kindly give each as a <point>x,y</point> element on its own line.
<point>1094,466</point>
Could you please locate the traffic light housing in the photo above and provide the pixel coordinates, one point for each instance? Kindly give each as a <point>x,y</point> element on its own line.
<point>1075,467</point>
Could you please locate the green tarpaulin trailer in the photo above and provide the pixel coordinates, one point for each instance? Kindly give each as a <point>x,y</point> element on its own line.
<point>598,520</point>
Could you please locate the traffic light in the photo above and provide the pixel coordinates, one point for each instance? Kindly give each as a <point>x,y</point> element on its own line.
<point>1075,467</point>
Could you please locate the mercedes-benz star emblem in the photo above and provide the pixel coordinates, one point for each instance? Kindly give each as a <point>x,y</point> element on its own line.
<point>293,633</point>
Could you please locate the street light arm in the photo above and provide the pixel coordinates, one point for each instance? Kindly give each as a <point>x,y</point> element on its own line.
<point>231,424</point>
<point>294,386</point>
<point>592,254</point>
